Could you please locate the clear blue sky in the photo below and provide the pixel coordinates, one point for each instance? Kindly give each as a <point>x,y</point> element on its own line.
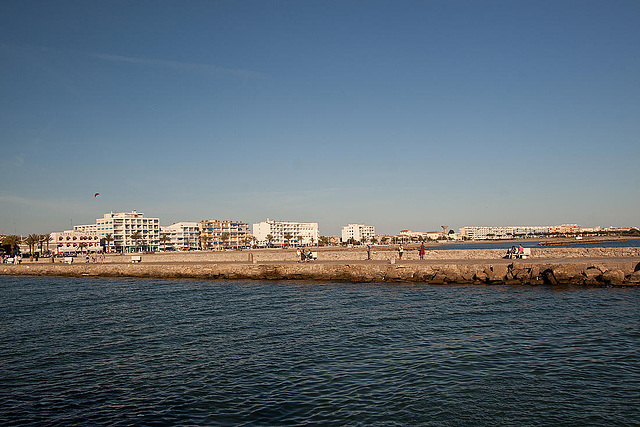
<point>398,114</point>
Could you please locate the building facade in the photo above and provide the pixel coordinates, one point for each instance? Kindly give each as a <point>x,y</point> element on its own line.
<point>86,228</point>
<point>216,234</point>
<point>181,236</point>
<point>122,226</point>
<point>501,233</point>
<point>283,233</point>
<point>358,232</point>
<point>75,241</point>
<point>565,229</point>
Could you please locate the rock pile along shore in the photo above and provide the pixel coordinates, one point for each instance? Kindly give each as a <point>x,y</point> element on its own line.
<point>550,266</point>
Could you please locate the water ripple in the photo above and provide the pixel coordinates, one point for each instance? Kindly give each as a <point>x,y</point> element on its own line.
<point>123,352</point>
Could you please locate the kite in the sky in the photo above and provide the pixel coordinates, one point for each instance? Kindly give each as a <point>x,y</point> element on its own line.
<point>96,195</point>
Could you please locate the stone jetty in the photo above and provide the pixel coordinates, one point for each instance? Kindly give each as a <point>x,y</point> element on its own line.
<point>546,266</point>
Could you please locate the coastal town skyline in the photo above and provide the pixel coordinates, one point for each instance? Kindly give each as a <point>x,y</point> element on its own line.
<point>398,230</point>
<point>121,232</point>
<point>352,229</point>
<point>397,114</point>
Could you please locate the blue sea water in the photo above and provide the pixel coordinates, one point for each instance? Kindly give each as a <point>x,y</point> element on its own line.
<point>506,244</point>
<point>93,351</point>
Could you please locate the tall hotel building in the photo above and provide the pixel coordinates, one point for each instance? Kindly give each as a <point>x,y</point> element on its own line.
<point>180,236</point>
<point>301,233</point>
<point>499,233</point>
<point>122,225</point>
<point>358,232</point>
<point>217,234</point>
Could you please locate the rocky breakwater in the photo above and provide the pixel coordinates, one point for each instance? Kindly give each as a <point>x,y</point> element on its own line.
<point>603,272</point>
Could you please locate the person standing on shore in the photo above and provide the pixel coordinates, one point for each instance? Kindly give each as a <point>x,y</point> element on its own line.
<point>400,252</point>
<point>369,251</point>
<point>422,249</point>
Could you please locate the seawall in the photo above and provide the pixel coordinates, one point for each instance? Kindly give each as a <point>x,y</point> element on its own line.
<point>611,267</point>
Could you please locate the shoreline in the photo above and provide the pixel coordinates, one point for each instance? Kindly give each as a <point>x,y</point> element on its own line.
<point>547,266</point>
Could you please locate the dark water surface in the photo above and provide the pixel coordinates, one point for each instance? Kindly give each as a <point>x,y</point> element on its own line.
<point>141,352</point>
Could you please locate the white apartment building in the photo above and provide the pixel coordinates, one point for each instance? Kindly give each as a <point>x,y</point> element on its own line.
<point>301,233</point>
<point>408,235</point>
<point>74,241</point>
<point>122,225</point>
<point>500,233</point>
<point>434,235</point>
<point>180,236</point>
<point>358,232</point>
<point>224,234</point>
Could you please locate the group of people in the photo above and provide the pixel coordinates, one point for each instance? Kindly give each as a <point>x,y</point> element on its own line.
<point>515,252</point>
<point>16,259</point>
<point>421,251</point>
<point>304,254</point>
<point>93,257</point>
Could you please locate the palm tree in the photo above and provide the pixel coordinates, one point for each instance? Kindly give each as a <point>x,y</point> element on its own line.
<point>384,239</point>
<point>164,239</point>
<point>269,240</point>
<point>287,237</point>
<point>46,238</point>
<point>12,241</point>
<point>224,237</point>
<point>81,246</point>
<point>32,240</point>
<point>108,238</point>
<point>374,240</point>
<point>246,241</point>
<point>254,240</point>
<point>204,241</point>
<point>135,237</point>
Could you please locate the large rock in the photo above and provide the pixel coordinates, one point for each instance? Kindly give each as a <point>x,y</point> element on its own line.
<point>568,274</point>
<point>497,273</point>
<point>481,277</point>
<point>592,273</point>
<point>439,279</point>
<point>549,277</point>
<point>468,275</point>
<point>635,277</point>
<point>517,274</point>
<point>453,274</point>
<point>613,277</point>
<point>535,275</point>
<point>592,276</point>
